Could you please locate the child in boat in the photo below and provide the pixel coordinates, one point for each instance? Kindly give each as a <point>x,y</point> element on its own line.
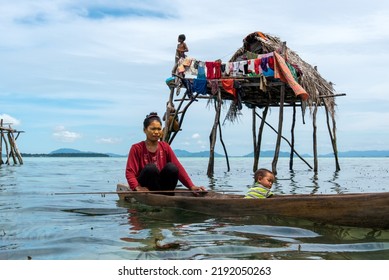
<point>264,180</point>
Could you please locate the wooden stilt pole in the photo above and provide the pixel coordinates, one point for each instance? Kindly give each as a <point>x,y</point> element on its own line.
<point>183,112</point>
<point>213,136</point>
<point>11,148</point>
<point>1,142</point>
<point>332,135</point>
<point>10,145</point>
<point>315,166</point>
<point>292,137</point>
<point>6,147</point>
<point>220,133</point>
<point>166,130</point>
<point>257,152</point>
<point>14,148</point>
<point>290,145</point>
<point>254,133</point>
<point>280,121</point>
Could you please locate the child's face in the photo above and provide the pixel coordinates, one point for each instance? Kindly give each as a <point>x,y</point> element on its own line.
<point>267,180</point>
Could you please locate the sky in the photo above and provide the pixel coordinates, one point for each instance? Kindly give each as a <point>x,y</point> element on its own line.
<point>84,74</point>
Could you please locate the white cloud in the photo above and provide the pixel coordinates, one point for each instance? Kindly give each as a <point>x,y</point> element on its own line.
<point>109,140</point>
<point>98,71</point>
<point>196,136</point>
<point>7,119</point>
<point>63,135</point>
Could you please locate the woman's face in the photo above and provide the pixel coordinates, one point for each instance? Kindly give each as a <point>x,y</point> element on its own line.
<point>153,131</point>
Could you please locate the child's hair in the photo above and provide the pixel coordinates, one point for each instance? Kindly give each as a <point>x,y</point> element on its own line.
<point>153,116</point>
<point>261,173</point>
<point>182,37</point>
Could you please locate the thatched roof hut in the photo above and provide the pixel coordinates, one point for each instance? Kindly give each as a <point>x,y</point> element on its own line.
<point>262,73</point>
<point>307,76</point>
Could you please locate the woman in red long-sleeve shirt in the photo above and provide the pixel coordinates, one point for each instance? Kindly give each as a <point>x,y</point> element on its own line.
<point>152,164</point>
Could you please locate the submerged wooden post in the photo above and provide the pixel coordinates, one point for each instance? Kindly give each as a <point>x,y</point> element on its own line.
<point>10,144</point>
<point>280,121</point>
<point>292,137</point>
<point>213,135</point>
<point>315,165</point>
<point>257,149</point>
<point>332,135</point>
<point>1,142</point>
<point>254,133</point>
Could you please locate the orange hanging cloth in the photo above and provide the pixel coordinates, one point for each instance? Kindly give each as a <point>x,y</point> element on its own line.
<point>228,85</point>
<point>282,72</point>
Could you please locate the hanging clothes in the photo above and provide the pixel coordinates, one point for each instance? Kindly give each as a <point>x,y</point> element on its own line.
<point>214,86</point>
<point>200,86</point>
<point>201,71</point>
<point>239,94</point>
<point>218,72</point>
<point>210,66</point>
<point>228,86</point>
<point>189,88</point>
<point>282,72</point>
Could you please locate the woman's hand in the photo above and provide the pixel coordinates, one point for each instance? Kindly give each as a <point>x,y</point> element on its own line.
<point>196,190</point>
<point>141,189</point>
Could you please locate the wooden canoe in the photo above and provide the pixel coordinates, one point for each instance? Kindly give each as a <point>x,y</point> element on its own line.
<point>369,210</point>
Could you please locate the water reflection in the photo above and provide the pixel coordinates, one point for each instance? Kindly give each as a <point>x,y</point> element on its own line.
<point>156,233</point>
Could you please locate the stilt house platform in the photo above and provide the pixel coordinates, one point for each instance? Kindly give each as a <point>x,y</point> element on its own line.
<point>263,73</point>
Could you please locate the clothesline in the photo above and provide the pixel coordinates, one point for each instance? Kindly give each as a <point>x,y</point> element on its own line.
<point>269,65</point>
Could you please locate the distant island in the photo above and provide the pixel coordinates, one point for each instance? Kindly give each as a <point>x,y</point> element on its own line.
<point>66,152</point>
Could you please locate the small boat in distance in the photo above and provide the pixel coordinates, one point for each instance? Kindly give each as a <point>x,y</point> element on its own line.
<point>367,210</point>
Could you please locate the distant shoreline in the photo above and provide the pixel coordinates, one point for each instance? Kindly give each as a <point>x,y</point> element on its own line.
<point>66,155</point>
<point>64,152</point>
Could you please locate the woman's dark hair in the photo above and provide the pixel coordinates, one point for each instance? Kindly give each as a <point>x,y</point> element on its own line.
<point>153,116</point>
<point>182,37</point>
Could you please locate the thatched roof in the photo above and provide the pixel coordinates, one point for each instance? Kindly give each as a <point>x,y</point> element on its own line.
<point>309,78</point>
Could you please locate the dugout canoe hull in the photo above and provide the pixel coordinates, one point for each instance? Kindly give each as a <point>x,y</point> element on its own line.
<point>369,210</point>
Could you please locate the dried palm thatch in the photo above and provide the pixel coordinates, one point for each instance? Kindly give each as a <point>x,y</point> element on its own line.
<point>309,78</point>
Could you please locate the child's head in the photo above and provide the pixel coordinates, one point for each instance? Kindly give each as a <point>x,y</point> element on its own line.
<point>181,38</point>
<point>264,177</point>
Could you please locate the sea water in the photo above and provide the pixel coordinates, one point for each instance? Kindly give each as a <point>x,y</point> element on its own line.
<point>39,221</point>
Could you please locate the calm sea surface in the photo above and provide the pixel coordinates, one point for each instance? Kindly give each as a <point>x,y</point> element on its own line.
<point>36,222</point>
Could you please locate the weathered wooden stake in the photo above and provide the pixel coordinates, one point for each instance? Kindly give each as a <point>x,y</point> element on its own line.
<point>332,135</point>
<point>257,147</point>
<point>315,165</point>
<point>292,137</point>
<point>280,121</point>
<point>213,136</point>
